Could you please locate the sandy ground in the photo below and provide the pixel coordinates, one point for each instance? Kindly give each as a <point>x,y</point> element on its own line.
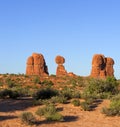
<point>10,111</point>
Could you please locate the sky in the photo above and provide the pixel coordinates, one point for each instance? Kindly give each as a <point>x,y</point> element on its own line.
<point>74,29</point>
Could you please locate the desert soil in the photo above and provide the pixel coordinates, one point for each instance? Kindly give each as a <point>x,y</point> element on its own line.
<point>10,111</point>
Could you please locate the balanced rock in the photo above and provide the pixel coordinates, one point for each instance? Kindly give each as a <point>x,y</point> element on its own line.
<point>60,60</point>
<point>102,66</point>
<point>60,68</point>
<point>36,65</point>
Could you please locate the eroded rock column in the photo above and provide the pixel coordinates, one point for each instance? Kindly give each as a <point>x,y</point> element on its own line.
<point>60,68</point>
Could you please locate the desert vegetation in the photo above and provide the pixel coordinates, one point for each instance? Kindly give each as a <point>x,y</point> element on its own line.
<point>48,93</point>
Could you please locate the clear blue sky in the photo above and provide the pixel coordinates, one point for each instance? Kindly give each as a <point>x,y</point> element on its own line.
<point>75,29</point>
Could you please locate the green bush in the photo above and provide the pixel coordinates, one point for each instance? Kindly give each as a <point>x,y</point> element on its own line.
<point>14,94</point>
<point>48,109</point>
<point>50,113</point>
<point>10,83</point>
<point>27,118</point>
<point>108,111</point>
<point>45,93</point>
<point>47,83</point>
<point>114,108</point>
<point>85,106</point>
<point>59,99</point>
<point>23,91</point>
<point>76,102</point>
<point>36,80</point>
<point>101,88</point>
<point>76,94</point>
<point>6,93</point>
<point>67,93</point>
<point>90,100</point>
<point>1,83</point>
<point>77,81</point>
<point>116,97</point>
<point>37,102</point>
<point>54,117</point>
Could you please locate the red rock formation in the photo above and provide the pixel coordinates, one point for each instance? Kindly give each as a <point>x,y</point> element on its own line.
<point>36,65</point>
<point>71,74</point>
<point>30,66</point>
<point>102,74</point>
<point>109,66</point>
<point>98,63</point>
<point>102,66</point>
<point>60,69</point>
<point>60,60</point>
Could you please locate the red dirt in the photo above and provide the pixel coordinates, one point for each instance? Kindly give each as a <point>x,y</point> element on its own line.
<point>10,111</point>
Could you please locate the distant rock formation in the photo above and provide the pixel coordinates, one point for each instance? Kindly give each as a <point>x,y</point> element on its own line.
<point>60,68</point>
<point>102,66</point>
<point>36,65</point>
<point>109,66</point>
<point>71,74</point>
<point>30,66</point>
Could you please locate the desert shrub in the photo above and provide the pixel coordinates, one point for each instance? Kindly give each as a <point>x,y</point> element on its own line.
<point>48,109</point>
<point>45,93</point>
<point>54,117</point>
<point>36,80</point>
<point>27,118</point>
<point>85,106</point>
<point>37,102</point>
<point>66,92</point>
<point>80,82</point>
<point>114,108</point>
<point>47,83</point>
<point>6,93</point>
<point>101,88</point>
<point>116,97</point>
<point>69,93</point>
<point>107,111</point>
<point>59,99</point>
<point>76,94</point>
<point>86,95</point>
<point>14,94</point>
<point>10,83</point>
<point>5,75</point>
<point>76,102</point>
<point>110,85</point>
<point>23,91</point>
<point>50,113</point>
<point>72,82</point>
<point>1,83</point>
<point>89,103</point>
<point>90,100</point>
<point>46,101</point>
